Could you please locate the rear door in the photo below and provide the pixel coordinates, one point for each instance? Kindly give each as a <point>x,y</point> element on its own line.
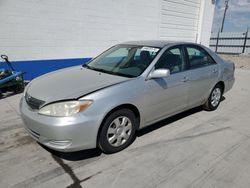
<point>203,74</point>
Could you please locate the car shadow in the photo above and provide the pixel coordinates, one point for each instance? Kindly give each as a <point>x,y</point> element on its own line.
<point>7,94</point>
<point>222,98</point>
<point>93,153</point>
<point>170,120</point>
<point>11,93</point>
<point>167,121</point>
<point>74,156</point>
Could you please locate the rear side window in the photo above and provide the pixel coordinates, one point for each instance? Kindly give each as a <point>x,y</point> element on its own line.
<point>198,57</point>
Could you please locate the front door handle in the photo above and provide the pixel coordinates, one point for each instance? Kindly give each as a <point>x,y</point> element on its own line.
<point>184,79</point>
<point>215,70</point>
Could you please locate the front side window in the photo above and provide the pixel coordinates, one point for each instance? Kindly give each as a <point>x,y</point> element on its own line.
<point>124,60</point>
<point>198,57</point>
<point>172,59</point>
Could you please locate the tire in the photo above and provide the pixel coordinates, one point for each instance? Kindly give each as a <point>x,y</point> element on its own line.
<point>214,99</point>
<point>18,88</point>
<point>118,131</point>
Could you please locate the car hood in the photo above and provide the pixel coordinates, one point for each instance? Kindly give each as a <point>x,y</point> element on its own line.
<point>70,83</point>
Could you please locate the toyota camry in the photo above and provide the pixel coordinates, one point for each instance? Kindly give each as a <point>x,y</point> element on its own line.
<point>128,87</point>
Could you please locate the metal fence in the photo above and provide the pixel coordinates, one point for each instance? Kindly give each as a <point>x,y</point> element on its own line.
<point>230,42</point>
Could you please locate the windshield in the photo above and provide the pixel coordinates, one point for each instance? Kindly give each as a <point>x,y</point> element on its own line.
<point>124,60</point>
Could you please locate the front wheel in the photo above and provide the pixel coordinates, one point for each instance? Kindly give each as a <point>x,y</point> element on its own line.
<point>118,131</point>
<point>214,99</point>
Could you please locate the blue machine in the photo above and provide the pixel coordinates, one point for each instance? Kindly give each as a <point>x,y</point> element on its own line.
<point>10,80</point>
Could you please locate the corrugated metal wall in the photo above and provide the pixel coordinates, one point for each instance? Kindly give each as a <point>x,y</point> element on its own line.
<point>179,20</point>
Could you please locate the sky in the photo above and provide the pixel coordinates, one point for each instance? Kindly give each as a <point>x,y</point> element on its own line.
<point>237,17</point>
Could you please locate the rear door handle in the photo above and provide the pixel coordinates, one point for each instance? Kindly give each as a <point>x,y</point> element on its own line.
<point>184,79</point>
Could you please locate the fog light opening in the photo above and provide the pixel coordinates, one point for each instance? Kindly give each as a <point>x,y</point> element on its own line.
<point>59,143</point>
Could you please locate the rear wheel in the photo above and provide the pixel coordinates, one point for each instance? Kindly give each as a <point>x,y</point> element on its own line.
<point>118,131</point>
<point>214,99</point>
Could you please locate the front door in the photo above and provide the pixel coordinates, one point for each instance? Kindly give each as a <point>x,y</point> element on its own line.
<point>165,96</point>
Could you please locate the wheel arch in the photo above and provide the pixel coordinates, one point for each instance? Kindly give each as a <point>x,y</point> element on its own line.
<point>131,107</point>
<point>220,82</point>
<point>222,85</point>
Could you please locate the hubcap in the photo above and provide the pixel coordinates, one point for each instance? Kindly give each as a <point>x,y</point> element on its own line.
<point>215,98</point>
<point>119,131</point>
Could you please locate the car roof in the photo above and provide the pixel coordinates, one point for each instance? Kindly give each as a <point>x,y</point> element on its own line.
<point>155,43</point>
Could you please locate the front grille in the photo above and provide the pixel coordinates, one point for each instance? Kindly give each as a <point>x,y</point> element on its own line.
<point>33,102</point>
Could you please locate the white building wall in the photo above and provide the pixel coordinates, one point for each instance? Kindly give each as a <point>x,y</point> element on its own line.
<point>60,29</point>
<point>34,29</point>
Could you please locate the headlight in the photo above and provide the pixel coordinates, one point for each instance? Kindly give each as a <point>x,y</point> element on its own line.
<point>65,109</point>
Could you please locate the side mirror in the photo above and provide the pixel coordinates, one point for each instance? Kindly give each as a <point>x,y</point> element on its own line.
<point>5,57</point>
<point>159,73</point>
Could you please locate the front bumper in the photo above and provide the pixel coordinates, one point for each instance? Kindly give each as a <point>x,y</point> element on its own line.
<point>61,133</point>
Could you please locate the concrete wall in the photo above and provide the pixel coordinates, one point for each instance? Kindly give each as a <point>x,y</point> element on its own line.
<point>35,29</point>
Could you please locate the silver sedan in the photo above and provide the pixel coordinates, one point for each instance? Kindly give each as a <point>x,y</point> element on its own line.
<point>128,87</point>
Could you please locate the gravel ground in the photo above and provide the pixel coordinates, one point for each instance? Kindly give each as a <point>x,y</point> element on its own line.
<point>241,61</point>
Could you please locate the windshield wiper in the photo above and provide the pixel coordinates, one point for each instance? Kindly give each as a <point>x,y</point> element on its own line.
<point>106,71</point>
<point>86,66</point>
<point>94,68</point>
